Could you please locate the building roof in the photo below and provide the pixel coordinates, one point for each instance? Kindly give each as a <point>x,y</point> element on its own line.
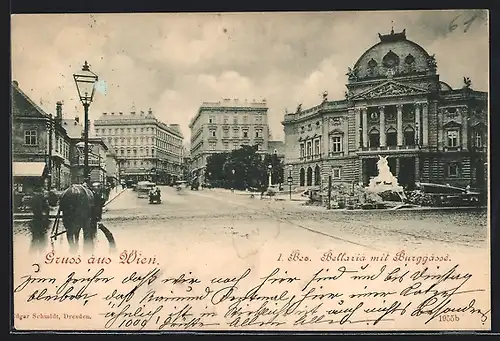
<point>393,49</point>
<point>74,129</point>
<point>134,118</point>
<point>17,91</point>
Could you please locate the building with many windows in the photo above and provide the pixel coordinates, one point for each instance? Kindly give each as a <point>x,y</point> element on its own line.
<point>397,107</point>
<point>226,125</point>
<point>146,148</point>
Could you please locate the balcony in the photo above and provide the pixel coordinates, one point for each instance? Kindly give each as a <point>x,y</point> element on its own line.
<point>336,154</point>
<point>380,149</point>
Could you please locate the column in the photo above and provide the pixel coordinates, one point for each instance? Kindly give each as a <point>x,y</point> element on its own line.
<point>345,136</point>
<point>464,138</point>
<point>365,127</point>
<point>417,168</point>
<point>397,167</point>
<point>382,126</point>
<point>425,124</point>
<point>418,125</point>
<point>357,124</point>
<point>400,124</point>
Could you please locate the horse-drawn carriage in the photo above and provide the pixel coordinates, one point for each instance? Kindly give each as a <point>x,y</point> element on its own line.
<point>143,188</point>
<point>155,196</point>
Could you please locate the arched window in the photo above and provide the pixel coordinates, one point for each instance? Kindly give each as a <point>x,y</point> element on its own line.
<point>309,176</point>
<point>302,177</point>
<point>374,138</point>
<point>409,136</point>
<point>317,176</point>
<point>392,137</point>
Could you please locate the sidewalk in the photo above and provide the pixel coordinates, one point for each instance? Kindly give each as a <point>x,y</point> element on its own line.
<point>53,210</point>
<point>284,195</point>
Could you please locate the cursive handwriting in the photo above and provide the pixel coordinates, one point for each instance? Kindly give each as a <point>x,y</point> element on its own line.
<point>348,295</point>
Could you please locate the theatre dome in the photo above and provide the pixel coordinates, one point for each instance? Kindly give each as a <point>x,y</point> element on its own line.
<point>393,55</point>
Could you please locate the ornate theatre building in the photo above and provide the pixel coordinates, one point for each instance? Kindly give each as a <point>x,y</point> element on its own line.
<point>395,106</point>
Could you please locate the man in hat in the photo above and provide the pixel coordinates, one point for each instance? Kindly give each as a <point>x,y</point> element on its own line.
<point>40,223</point>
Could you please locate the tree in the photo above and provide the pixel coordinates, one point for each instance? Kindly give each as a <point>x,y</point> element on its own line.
<point>214,169</point>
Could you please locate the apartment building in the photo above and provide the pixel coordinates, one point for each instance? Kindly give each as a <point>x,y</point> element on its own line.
<point>146,148</point>
<point>226,125</point>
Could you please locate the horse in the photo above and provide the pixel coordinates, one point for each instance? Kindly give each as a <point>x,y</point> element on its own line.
<point>81,211</point>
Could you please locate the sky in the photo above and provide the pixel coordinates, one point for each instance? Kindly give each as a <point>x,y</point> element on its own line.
<point>171,63</point>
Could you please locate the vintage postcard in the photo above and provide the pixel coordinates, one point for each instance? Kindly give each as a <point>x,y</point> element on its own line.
<point>301,171</point>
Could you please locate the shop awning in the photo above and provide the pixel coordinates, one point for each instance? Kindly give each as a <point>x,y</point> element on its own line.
<point>28,169</point>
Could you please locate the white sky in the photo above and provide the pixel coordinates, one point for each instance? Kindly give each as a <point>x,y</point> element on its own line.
<point>173,62</point>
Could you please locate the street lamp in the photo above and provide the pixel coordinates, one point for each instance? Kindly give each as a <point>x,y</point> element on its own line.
<point>50,127</point>
<point>80,146</point>
<point>85,84</point>
<point>234,180</point>
<point>270,167</point>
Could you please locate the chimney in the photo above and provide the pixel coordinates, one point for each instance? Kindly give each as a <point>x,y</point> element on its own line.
<point>104,113</point>
<point>132,112</point>
<point>142,113</point>
<point>77,119</point>
<point>59,110</point>
<point>121,113</point>
<point>112,113</point>
<point>16,83</point>
<point>150,111</point>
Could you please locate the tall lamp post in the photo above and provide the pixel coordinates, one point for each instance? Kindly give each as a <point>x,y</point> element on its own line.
<point>85,84</point>
<point>50,126</point>
<point>270,168</point>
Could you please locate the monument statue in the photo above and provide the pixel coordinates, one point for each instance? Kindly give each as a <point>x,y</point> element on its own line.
<point>385,180</point>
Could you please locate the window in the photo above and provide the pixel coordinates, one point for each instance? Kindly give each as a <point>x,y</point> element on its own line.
<point>258,119</point>
<point>302,150</point>
<point>213,133</point>
<point>258,133</point>
<point>309,148</point>
<point>212,145</point>
<point>374,138</point>
<point>478,139</point>
<point>235,120</point>
<point>211,119</point>
<point>453,138</point>
<point>336,144</point>
<point>226,145</point>
<point>30,137</point>
<point>336,172</point>
<point>316,147</point>
<point>96,131</point>
<point>236,132</point>
<point>453,170</point>
<point>245,133</point>
<point>226,119</point>
<point>245,119</point>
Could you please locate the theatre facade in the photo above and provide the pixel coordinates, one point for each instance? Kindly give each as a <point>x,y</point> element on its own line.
<point>397,107</point>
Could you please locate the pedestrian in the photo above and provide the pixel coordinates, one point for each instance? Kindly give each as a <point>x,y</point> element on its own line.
<point>40,222</point>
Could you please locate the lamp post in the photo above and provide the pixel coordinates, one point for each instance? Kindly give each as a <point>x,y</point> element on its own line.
<point>50,127</point>
<point>81,146</point>
<point>85,84</point>
<point>234,180</point>
<point>270,168</point>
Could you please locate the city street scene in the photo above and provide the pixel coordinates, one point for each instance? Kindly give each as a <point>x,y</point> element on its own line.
<point>216,142</point>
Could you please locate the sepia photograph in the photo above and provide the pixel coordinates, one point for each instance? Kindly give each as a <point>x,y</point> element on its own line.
<point>259,171</point>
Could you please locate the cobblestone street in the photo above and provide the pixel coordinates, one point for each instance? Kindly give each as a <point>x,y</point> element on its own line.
<point>219,217</point>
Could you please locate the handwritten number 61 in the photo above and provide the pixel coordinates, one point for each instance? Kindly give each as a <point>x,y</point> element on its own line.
<point>467,23</point>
